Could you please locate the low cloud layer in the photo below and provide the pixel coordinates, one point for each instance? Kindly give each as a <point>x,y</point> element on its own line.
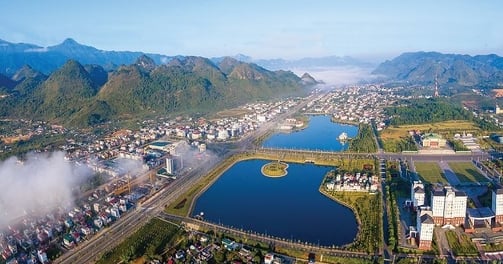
<point>38,184</point>
<point>338,76</point>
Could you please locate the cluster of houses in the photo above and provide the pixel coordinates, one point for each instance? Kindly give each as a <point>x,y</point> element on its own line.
<point>33,235</point>
<point>358,104</point>
<point>290,124</point>
<point>357,182</point>
<point>201,130</point>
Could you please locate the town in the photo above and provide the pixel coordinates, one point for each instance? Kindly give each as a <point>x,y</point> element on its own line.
<point>166,149</point>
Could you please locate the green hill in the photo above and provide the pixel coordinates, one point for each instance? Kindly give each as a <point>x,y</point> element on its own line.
<point>79,95</point>
<point>451,70</point>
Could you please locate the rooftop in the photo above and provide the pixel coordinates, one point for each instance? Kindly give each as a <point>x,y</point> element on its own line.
<point>480,213</point>
<point>160,143</point>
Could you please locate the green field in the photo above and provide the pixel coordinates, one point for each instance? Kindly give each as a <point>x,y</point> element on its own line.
<point>430,172</point>
<point>461,244</point>
<point>467,172</point>
<point>151,240</point>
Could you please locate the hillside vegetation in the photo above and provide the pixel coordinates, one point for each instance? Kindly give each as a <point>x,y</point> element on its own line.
<point>80,95</point>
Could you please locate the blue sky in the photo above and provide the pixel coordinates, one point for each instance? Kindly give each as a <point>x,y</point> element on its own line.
<point>261,29</point>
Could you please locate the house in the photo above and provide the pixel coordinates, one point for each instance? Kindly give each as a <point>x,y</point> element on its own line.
<point>268,258</point>
<point>432,140</point>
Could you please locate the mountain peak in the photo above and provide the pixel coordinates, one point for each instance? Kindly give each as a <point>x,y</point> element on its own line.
<point>145,62</point>
<point>308,79</point>
<point>25,72</point>
<point>69,42</point>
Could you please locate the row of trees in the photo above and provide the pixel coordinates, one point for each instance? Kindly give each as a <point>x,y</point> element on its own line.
<point>399,145</point>
<point>367,207</point>
<point>364,141</point>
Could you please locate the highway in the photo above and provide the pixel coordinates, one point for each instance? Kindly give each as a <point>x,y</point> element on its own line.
<point>90,251</point>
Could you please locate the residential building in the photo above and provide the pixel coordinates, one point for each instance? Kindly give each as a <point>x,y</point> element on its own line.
<point>417,194</point>
<point>448,206</point>
<point>497,204</point>
<point>425,226</point>
<point>170,165</point>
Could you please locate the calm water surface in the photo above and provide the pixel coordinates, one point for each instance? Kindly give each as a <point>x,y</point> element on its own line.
<point>290,207</point>
<point>321,134</point>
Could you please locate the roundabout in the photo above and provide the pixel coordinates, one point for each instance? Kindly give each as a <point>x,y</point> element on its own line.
<point>275,169</point>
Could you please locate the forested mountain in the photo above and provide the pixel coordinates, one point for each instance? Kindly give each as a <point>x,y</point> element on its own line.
<point>450,69</point>
<point>13,56</point>
<point>84,95</point>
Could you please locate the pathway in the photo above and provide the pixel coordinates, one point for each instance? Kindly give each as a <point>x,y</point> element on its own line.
<point>449,174</point>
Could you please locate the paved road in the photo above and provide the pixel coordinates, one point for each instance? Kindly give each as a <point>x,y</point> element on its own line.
<point>264,238</point>
<point>449,174</point>
<point>90,251</point>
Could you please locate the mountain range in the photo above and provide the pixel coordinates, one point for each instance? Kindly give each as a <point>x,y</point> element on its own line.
<point>77,94</point>
<point>78,84</point>
<point>451,70</point>
<point>13,56</point>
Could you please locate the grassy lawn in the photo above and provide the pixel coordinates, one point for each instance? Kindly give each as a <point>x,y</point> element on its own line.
<point>467,172</point>
<point>275,169</point>
<point>430,172</point>
<point>232,113</point>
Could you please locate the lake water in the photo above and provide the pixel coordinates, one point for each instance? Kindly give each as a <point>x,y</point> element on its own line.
<point>321,134</point>
<point>290,207</point>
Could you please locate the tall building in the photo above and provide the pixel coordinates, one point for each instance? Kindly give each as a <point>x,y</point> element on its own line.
<point>448,206</point>
<point>170,165</point>
<point>417,194</point>
<point>497,205</point>
<point>425,226</point>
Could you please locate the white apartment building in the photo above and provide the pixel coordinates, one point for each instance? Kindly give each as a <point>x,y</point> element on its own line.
<point>417,194</point>
<point>425,226</point>
<point>448,206</point>
<point>170,165</point>
<point>497,205</point>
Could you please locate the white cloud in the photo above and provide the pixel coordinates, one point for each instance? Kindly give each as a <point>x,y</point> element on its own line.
<point>37,50</point>
<point>338,76</point>
<point>38,184</point>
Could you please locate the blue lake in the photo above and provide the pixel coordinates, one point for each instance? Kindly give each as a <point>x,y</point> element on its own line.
<point>290,207</point>
<point>321,134</point>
